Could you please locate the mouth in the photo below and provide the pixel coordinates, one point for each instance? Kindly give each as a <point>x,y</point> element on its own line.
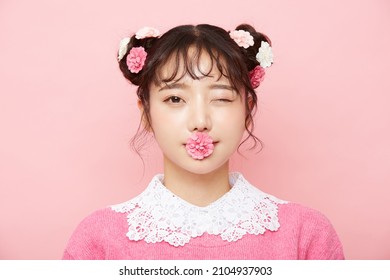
<point>200,145</point>
<point>214,143</point>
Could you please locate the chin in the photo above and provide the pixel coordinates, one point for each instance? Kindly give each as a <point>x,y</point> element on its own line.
<point>204,166</point>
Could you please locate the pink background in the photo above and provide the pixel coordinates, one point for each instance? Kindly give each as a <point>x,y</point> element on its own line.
<point>66,114</point>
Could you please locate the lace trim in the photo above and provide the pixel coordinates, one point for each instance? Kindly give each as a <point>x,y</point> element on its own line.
<point>158,215</point>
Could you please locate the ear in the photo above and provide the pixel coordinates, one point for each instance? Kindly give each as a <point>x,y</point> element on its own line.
<point>250,102</point>
<point>144,120</point>
<point>140,106</point>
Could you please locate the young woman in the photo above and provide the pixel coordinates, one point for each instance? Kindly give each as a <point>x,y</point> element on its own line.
<point>196,94</point>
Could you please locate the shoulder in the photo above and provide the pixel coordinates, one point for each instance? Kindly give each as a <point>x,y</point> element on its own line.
<point>100,220</point>
<point>301,214</point>
<point>312,229</point>
<point>91,235</point>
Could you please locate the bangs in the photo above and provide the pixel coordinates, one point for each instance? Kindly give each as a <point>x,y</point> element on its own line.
<point>184,55</point>
<point>188,61</point>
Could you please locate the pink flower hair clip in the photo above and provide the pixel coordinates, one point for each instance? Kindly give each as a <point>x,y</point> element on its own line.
<point>256,76</point>
<point>199,145</point>
<point>147,32</point>
<point>135,60</point>
<point>242,38</point>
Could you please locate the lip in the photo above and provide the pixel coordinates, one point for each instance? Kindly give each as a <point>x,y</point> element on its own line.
<point>214,143</point>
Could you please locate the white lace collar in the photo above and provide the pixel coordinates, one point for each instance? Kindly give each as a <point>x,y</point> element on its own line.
<point>158,215</point>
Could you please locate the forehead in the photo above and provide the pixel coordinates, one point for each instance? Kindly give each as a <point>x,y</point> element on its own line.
<point>196,63</point>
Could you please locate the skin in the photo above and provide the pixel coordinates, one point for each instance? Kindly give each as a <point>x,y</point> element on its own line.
<point>178,109</point>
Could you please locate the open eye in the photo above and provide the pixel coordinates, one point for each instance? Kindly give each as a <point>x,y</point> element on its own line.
<point>173,99</point>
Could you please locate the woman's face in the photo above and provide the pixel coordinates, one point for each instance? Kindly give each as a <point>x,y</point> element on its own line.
<point>182,107</point>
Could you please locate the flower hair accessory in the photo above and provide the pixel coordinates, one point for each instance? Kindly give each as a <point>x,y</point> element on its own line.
<point>144,32</point>
<point>242,38</point>
<point>123,47</point>
<point>147,32</point>
<point>135,60</point>
<point>265,56</point>
<point>256,76</point>
<point>199,145</point>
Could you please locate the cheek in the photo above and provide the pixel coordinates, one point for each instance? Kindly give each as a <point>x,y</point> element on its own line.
<point>157,114</point>
<point>164,121</point>
<point>234,116</point>
<point>231,125</point>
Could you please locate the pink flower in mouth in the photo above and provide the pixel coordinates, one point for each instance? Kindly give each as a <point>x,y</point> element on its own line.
<point>199,145</point>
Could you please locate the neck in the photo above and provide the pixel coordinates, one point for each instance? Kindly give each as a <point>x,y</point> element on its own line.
<point>197,189</point>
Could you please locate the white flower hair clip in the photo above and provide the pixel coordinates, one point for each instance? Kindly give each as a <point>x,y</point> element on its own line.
<point>123,47</point>
<point>265,56</point>
<point>242,38</point>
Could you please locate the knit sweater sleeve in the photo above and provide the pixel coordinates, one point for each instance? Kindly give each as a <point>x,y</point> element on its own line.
<point>318,238</point>
<point>87,241</point>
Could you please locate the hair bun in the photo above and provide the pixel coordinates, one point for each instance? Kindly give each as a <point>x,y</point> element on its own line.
<point>145,38</point>
<point>251,51</point>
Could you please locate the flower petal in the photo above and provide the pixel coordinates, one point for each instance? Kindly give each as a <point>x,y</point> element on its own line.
<point>136,59</point>
<point>147,32</point>
<point>242,38</point>
<point>199,145</point>
<point>123,47</point>
<point>265,56</point>
<point>256,76</point>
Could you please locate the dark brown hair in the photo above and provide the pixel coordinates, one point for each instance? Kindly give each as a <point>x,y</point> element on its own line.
<point>232,61</point>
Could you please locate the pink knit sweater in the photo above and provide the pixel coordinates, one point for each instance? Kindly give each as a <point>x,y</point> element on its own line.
<point>138,229</point>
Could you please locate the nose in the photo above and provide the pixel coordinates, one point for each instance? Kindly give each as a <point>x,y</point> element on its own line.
<point>199,119</point>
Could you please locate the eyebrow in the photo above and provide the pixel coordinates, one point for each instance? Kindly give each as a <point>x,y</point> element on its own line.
<point>221,86</point>
<point>174,86</point>
<point>184,86</point>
